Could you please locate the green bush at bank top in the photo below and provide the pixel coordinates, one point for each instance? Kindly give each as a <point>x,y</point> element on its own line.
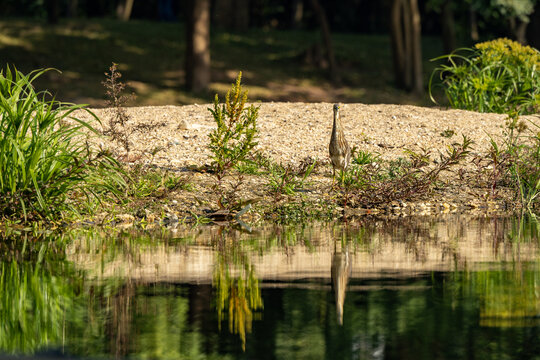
<point>500,76</point>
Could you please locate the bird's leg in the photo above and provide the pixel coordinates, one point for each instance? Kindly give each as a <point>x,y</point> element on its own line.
<point>333,176</point>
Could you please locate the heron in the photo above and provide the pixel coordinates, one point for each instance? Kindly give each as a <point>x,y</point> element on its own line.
<point>340,151</point>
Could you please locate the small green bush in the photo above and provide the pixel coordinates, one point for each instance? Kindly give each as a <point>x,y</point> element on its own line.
<point>43,159</point>
<point>498,76</point>
<point>236,132</point>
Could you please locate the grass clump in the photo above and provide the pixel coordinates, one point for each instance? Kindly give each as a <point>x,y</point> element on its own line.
<point>496,76</point>
<point>43,158</point>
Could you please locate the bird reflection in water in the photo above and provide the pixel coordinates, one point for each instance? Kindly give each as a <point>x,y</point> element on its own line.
<point>340,272</point>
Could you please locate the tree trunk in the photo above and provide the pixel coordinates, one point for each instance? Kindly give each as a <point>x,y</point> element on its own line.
<point>533,30</point>
<point>406,45</point>
<point>473,24</point>
<point>327,39</point>
<point>297,13</point>
<point>198,46</point>
<point>223,14</point>
<point>123,9</point>
<point>398,46</point>
<point>407,34</point>
<point>53,11</point>
<point>73,6</point>
<point>241,15</point>
<point>416,49</point>
<point>519,29</point>
<point>448,27</point>
<point>231,14</point>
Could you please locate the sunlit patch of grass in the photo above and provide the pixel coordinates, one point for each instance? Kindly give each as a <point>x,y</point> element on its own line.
<point>149,52</point>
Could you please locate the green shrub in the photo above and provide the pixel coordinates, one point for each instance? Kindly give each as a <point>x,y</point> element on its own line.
<point>518,159</point>
<point>236,130</point>
<point>498,76</point>
<point>43,159</point>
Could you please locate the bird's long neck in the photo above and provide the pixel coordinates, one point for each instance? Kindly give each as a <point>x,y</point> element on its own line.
<point>337,124</point>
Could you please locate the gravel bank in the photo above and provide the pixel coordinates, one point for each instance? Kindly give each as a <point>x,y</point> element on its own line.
<point>291,131</point>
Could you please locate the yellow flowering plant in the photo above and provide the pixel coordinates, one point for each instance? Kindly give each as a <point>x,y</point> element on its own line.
<point>500,76</point>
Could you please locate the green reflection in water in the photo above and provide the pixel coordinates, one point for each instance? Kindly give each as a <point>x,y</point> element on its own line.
<point>509,296</point>
<point>34,300</point>
<point>237,287</point>
<point>491,309</point>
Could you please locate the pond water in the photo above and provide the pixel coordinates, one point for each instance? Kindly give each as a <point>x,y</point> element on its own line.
<point>412,288</point>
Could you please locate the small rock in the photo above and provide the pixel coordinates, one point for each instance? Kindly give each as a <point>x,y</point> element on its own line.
<point>170,218</point>
<point>125,218</point>
<point>183,125</point>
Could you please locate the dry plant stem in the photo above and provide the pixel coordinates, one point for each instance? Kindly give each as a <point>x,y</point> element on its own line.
<point>410,185</point>
<point>118,128</point>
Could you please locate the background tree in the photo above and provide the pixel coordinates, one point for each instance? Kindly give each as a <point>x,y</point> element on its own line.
<point>533,30</point>
<point>197,66</point>
<point>512,14</point>
<point>517,13</point>
<point>53,11</point>
<point>448,28</point>
<point>327,39</point>
<point>406,45</point>
<point>231,14</point>
<point>123,9</point>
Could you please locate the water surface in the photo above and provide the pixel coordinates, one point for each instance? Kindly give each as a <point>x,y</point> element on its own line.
<point>411,288</point>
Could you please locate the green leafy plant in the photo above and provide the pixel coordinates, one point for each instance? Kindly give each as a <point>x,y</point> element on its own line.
<point>236,132</point>
<point>448,133</point>
<point>154,183</point>
<point>405,179</point>
<point>522,159</point>
<point>43,155</point>
<point>285,180</point>
<point>496,76</point>
<point>361,157</point>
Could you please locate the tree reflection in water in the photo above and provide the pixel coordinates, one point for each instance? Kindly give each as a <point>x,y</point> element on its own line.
<point>458,290</point>
<point>237,287</point>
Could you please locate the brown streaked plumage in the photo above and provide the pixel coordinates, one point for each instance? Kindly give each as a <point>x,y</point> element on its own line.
<point>340,151</point>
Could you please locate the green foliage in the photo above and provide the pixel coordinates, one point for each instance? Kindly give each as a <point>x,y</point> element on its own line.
<point>519,159</point>
<point>361,157</point>
<point>402,179</point>
<point>286,181</point>
<point>43,157</point>
<point>522,9</point>
<point>236,131</point>
<point>496,76</point>
<point>238,293</point>
<point>448,133</point>
<point>146,182</point>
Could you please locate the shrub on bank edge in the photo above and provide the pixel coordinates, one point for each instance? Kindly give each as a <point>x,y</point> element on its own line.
<point>236,132</point>
<point>498,76</point>
<point>43,160</point>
